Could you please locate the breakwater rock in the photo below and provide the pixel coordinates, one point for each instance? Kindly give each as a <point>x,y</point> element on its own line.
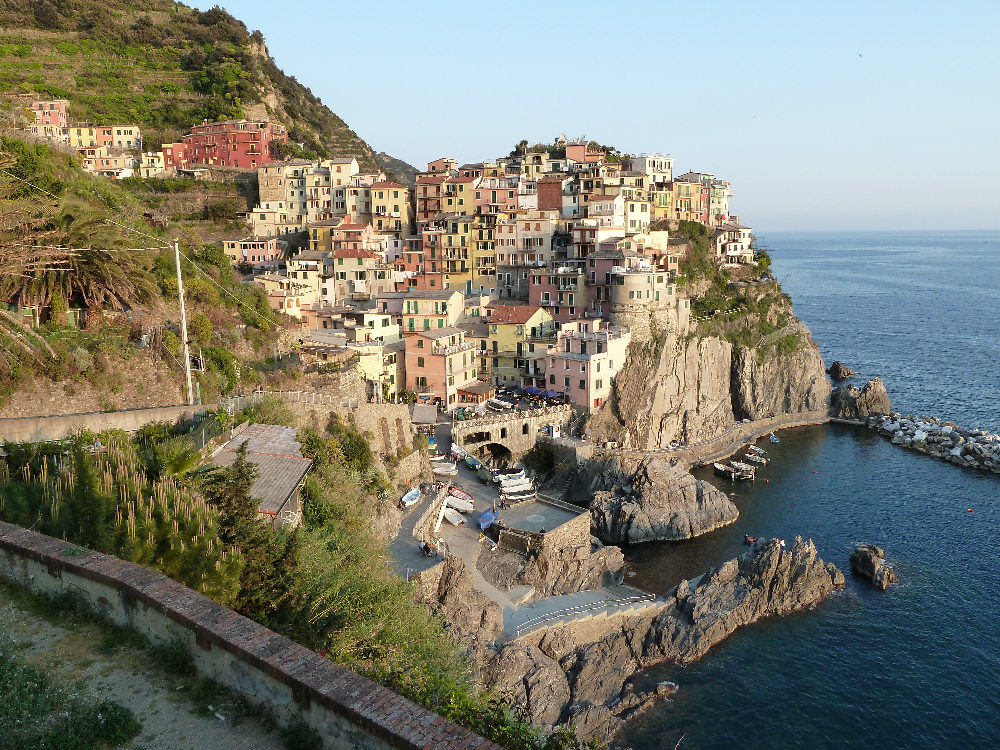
<point>840,371</point>
<point>850,402</point>
<point>975,449</point>
<point>657,501</point>
<point>583,671</point>
<point>868,561</point>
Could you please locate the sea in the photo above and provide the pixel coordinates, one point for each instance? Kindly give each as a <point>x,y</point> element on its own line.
<point>917,666</point>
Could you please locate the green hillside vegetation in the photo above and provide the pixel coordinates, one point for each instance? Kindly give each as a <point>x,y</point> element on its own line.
<point>164,66</point>
<point>329,584</point>
<point>116,267</point>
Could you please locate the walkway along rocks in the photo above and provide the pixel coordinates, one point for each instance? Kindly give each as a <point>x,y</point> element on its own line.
<point>582,671</point>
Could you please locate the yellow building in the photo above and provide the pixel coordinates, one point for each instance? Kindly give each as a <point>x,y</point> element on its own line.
<point>661,199</point>
<point>456,244</point>
<point>460,195</point>
<point>517,341</point>
<point>391,209</point>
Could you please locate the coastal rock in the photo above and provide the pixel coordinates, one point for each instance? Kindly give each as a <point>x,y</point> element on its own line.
<point>552,572</point>
<point>848,402</point>
<point>840,371</point>
<point>659,502</point>
<point>868,561</point>
<point>583,671</point>
<point>449,590</point>
<point>768,580</point>
<point>766,384</point>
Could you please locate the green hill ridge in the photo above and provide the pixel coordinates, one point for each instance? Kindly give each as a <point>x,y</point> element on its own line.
<point>164,66</point>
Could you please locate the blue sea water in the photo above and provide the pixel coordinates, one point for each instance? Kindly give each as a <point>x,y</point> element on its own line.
<point>917,666</point>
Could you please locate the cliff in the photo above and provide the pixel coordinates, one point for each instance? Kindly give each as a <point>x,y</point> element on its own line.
<point>688,386</point>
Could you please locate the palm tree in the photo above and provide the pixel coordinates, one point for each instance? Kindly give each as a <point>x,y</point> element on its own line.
<point>95,270</point>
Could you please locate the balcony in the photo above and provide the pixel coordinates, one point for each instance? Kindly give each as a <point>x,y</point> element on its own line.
<point>465,346</point>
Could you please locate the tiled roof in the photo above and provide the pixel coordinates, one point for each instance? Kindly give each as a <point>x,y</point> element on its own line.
<point>520,314</point>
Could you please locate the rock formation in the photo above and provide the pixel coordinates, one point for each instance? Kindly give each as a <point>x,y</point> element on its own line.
<point>658,501</point>
<point>848,402</point>
<point>840,371</point>
<point>868,561</point>
<point>552,572</point>
<point>974,449</point>
<point>448,589</point>
<point>582,672</point>
<point>686,389</point>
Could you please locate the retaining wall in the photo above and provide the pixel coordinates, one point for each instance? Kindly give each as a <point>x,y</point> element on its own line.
<point>349,711</point>
<point>35,429</point>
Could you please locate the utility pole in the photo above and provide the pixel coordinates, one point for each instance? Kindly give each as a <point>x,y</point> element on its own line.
<point>184,325</point>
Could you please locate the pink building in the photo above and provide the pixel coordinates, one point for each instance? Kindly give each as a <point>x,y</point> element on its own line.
<point>254,250</point>
<point>51,113</point>
<point>562,291</point>
<point>586,356</point>
<point>235,143</point>
<point>439,362</point>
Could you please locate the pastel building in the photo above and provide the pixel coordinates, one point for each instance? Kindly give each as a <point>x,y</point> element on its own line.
<point>439,362</point>
<point>424,310</point>
<point>583,361</point>
<point>255,251</point>
<point>513,333</point>
<point>235,143</point>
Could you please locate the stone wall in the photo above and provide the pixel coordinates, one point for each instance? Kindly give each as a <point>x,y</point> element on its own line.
<point>35,429</point>
<point>515,430</point>
<point>269,670</point>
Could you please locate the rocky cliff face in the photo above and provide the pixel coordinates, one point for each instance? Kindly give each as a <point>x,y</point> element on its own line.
<point>449,590</point>
<point>848,402</point>
<point>657,501</point>
<point>552,572</point>
<point>575,673</point>
<point>690,389</point>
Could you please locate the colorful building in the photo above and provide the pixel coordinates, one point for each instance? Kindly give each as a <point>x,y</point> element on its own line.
<point>439,362</point>
<point>424,310</point>
<point>517,342</point>
<point>584,360</point>
<point>235,143</point>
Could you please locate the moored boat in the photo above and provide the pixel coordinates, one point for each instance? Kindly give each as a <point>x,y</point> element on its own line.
<point>724,471</point>
<point>446,470</point>
<point>774,438</point>
<point>472,462</point>
<point>459,504</point>
<point>747,539</point>
<point>410,498</point>
<point>460,493</point>
<point>757,449</point>
<point>755,458</point>
<point>453,516</point>
<point>743,471</point>
<point>518,484</point>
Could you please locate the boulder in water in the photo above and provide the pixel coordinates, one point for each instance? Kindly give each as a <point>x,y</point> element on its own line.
<point>840,371</point>
<point>850,402</point>
<point>868,561</point>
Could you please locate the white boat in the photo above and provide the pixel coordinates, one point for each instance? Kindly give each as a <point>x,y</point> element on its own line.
<point>510,476</point>
<point>725,471</point>
<point>459,504</point>
<point>517,497</point>
<point>497,405</point>
<point>740,466</point>
<point>453,516</point>
<point>458,450</point>
<point>508,485</point>
<point>460,494</point>
<point>410,497</point>
<point>439,458</point>
<point>446,470</point>
<point>757,449</point>
<point>754,458</point>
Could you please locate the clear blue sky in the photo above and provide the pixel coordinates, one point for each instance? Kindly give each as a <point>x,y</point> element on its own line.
<point>848,115</point>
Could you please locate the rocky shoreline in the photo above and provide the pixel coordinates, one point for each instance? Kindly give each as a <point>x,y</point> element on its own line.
<point>973,449</point>
<point>587,672</point>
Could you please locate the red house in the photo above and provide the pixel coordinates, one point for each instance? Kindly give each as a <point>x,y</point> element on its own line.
<point>234,143</point>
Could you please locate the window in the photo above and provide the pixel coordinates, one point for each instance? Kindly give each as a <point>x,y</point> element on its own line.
<point>420,342</point>
<point>552,379</point>
<point>420,361</point>
<point>583,384</point>
<point>598,384</point>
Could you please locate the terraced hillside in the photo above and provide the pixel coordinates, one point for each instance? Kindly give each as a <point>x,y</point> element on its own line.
<point>164,66</point>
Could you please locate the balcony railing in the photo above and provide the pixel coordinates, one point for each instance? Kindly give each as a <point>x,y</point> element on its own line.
<point>452,349</point>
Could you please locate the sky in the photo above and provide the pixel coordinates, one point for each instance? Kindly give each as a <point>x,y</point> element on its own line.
<point>847,115</point>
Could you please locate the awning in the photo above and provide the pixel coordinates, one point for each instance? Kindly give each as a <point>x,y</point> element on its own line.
<point>550,394</point>
<point>531,390</point>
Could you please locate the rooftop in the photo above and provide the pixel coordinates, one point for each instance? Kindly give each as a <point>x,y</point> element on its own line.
<point>519,314</point>
<point>277,455</point>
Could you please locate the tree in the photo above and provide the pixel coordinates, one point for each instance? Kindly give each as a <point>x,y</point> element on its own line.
<point>201,329</point>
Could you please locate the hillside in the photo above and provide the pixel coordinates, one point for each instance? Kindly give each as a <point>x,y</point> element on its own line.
<point>164,66</point>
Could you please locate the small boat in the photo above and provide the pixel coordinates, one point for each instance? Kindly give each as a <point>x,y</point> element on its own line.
<point>509,476</point>
<point>748,540</point>
<point>517,497</point>
<point>756,459</point>
<point>757,449</point>
<point>519,484</point>
<point>410,498</point>
<point>458,450</point>
<point>472,462</point>
<point>497,405</point>
<point>453,516</point>
<point>446,470</point>
<point>459,504</point>
<point>742,470</point>
<point>439,457</point>
<point>724,471</point>
<point>774,438</point>
<point>460,493</point>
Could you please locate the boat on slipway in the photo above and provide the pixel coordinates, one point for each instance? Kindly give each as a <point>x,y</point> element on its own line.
<point>410,498</point>
<point>453,517</point>
<point>446,470</point>
<point>460,504</point>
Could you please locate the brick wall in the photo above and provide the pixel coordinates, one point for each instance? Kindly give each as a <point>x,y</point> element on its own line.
<point>347,710</point>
